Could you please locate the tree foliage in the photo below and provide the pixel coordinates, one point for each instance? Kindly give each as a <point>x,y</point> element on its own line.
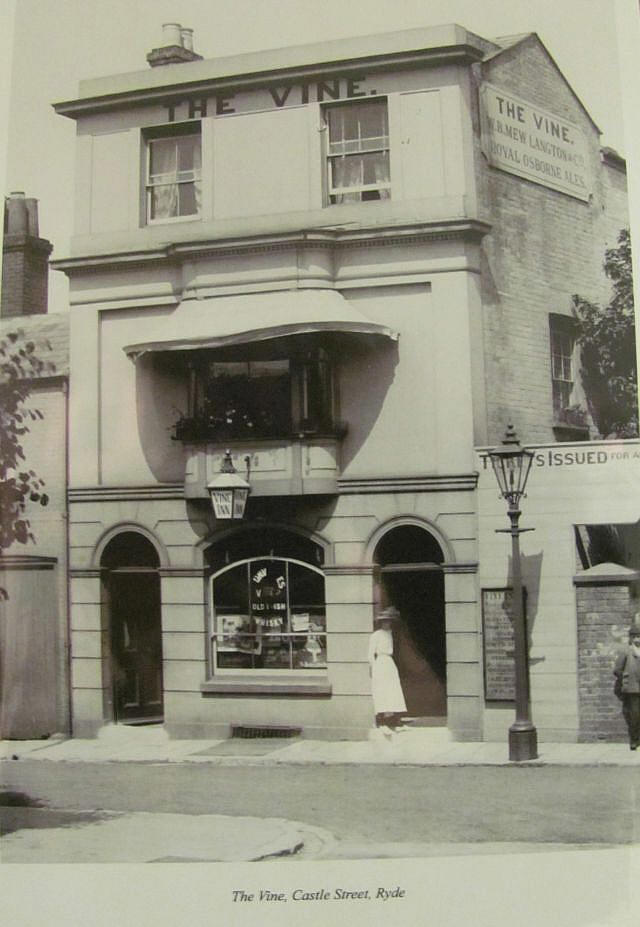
<point>20,362</point>
<point>608,348</point>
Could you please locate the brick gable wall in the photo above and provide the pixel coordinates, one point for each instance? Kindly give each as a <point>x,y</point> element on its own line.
<point>544,247</point>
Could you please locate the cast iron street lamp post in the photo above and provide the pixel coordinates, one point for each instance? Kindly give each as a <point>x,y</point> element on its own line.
<point>511,465</point>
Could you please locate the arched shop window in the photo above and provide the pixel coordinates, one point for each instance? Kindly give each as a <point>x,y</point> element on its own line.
<point>258,540</point>
<point>268,614</point>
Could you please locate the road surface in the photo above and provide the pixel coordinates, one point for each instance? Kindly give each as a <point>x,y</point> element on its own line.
<point>369,811</point>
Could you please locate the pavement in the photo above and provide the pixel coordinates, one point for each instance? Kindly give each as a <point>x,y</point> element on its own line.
<point>412,747</point>
<point>156,837</point>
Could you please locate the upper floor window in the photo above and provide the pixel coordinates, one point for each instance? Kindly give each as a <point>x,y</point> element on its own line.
<point>569,414</point>
<point>173,174</point>
<point>562,348</point>
<point>247,397</point>
<point>358,151</point>
<point>244,398</point>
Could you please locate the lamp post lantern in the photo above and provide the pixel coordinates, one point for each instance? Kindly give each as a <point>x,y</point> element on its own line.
<point>511,465</point>
<point>228,491</point>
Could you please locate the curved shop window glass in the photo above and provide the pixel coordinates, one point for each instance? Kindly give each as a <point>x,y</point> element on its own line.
<point>268,614</point>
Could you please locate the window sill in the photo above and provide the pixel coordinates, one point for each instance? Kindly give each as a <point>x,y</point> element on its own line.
<point>173,220</point>
<point>291,685</point>
<point>206,436</point>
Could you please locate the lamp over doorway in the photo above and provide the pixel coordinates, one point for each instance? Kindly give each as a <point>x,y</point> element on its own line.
<point>229,491</point>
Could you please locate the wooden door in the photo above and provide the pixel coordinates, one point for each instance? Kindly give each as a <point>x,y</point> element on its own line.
<point>29,648</point>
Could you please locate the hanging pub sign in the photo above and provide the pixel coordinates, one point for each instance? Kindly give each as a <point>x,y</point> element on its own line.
<point>268,593</point>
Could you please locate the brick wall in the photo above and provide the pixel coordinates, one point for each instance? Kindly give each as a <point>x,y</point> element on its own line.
<point>544,247</point>
<point>614,178</point>
<point>603,613</point>
<point>25,268</point>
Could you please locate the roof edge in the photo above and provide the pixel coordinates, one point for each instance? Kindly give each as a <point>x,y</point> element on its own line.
<point>376,52</point>
<point>528,37</point>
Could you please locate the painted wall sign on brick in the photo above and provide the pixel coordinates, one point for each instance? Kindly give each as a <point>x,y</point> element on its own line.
<point>530,142</point>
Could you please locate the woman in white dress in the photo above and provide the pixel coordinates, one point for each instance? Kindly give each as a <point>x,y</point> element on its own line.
<point>388,701</point>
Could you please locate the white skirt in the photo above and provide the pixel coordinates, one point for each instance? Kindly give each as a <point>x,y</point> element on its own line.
<point>385,686</point>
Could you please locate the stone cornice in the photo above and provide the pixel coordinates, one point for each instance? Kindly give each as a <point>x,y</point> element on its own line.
<point>19,241</point>
<point>26,562</point>
<point>470,566</point>
<point>125,493</point>
<point>116,260</point>
<point>197,572</point>
<point>348,569</point>
<point>455,54</point>
<point>322,239</point>
<point>369,569</point>
<point>464,482</point>
<point>607,574</point>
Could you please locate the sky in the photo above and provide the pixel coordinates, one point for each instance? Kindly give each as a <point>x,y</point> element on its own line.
<point>56,43</point>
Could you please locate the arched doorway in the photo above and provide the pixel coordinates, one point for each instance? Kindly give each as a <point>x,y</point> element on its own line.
<point>408,569</point>
<point>132,592</point>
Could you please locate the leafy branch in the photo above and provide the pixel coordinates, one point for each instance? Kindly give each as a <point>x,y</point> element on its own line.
<point>20,364</point>
<point>608,348</point>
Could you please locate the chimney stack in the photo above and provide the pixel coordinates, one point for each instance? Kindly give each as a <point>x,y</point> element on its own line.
<point>187,38</point>
<point>25,259</point>
<point>177,46</point>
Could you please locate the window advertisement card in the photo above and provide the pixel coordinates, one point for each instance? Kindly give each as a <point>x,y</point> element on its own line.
<point>238,634</point>
<point>268,594</point>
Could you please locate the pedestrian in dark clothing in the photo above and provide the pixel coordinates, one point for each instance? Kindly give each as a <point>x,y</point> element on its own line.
<point>627,673</point>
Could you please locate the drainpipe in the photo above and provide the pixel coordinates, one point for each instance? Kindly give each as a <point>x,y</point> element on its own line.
<point>65,394</point>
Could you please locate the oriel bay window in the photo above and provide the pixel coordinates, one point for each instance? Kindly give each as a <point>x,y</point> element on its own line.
<point>173,172</point>
<point>268,614</point>
<point>254,397</point>
<point>357,151</point>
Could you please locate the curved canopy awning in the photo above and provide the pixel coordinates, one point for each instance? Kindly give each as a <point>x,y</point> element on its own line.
<point>223,321</point>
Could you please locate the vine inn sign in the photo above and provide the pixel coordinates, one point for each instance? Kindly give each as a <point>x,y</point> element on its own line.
<point>534,144</point>
<point>350,265</point>
<point>278,96</point>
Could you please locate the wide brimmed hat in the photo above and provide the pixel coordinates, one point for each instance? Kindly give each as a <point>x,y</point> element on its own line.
<point>390,613</point>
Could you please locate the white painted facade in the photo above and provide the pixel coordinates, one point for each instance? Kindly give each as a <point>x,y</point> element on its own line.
<point>385,498</point>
